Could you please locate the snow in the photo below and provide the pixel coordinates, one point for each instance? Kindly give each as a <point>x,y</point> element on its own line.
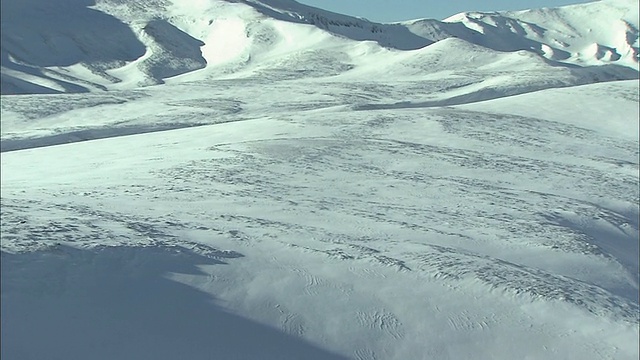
<point>576,34</point>
<point>294,190</point>
<point>160,40</point>
<point>613,118</point>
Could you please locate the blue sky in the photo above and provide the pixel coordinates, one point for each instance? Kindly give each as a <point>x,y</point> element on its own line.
<point>398,10</point>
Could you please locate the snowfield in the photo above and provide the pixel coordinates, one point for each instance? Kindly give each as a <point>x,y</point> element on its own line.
<point>266,180</point>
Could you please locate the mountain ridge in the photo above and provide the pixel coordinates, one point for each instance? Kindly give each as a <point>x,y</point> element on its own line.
<point>87,45</point>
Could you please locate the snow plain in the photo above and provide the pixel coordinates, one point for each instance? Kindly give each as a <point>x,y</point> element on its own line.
<point>302,191</point>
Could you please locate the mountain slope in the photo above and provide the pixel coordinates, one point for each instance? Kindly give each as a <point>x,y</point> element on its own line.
<point>160,39</point>
<point>593,33</point>
<point>300,186</point>
<point>298,227</point>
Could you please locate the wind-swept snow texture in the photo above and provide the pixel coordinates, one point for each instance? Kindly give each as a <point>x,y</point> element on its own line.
<point>300,184</point>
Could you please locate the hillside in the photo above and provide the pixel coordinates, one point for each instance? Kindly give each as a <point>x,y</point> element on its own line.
<point>82,45</point>
<point>267,180</point>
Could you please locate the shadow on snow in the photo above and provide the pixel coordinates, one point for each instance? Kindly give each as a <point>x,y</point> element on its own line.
<point>117,303</point>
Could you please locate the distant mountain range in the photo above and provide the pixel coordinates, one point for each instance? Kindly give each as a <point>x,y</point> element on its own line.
<point>86,45</point>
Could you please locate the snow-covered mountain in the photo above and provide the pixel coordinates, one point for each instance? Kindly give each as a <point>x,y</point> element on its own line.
<point>82,45</point>
<point>259,179</point>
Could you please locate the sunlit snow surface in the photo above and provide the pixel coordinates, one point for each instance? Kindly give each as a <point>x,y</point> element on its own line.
<point>403,233</point>
<point>411,206</point>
